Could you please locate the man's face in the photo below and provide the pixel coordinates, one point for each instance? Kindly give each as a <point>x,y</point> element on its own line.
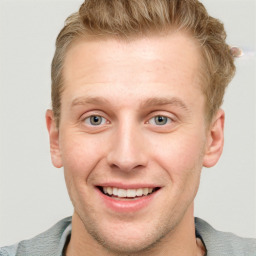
<point>132,123</point>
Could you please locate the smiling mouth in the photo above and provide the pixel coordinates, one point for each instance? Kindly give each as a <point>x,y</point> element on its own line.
<point>127,194</point>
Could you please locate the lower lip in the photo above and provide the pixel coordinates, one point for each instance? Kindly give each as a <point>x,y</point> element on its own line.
<point>125,206</point>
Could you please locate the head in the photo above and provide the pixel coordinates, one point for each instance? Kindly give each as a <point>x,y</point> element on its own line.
<point>136,91</point>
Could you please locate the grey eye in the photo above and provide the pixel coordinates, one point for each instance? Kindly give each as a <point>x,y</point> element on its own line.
<point>160,120</point>
<point>95,120</point>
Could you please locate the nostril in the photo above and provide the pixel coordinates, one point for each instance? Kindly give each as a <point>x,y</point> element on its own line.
<point>127,158</point>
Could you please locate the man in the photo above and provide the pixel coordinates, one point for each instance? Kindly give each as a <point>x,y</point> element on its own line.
<point>137,88</point>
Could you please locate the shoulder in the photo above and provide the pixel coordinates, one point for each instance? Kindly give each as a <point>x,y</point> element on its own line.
<point>223,243</point>
<point>50,242</point>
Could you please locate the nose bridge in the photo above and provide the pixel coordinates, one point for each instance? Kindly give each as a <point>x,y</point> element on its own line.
<point>127,146</point>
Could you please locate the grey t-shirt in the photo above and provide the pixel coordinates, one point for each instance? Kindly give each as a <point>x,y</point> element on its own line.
<point>52,242</point>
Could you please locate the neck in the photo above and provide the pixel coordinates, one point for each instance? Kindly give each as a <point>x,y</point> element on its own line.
<point>180,241</point>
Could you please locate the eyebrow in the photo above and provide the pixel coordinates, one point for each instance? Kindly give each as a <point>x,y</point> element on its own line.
<point>159,101</point>
<point>89,100</point>
<point>150,102</point>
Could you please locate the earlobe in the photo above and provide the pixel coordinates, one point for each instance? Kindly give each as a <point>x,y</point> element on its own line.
<point>54,139</point>
<point>215,140</point>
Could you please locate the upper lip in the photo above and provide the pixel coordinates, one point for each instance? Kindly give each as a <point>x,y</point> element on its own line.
<point>127,186</point>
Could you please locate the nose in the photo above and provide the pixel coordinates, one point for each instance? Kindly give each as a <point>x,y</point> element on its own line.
<point>128,150</point>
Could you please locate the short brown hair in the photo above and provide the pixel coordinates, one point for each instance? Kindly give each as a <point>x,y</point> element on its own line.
<point>126,18</point>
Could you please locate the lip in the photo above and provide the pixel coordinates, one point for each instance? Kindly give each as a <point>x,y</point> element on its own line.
<point>126,206</point>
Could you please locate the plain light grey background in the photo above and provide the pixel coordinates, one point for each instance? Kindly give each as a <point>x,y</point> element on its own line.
<point>32,192</point>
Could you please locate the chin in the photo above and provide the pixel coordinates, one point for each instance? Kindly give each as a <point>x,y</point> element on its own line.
<point>123,245</point>
<point>127,238</point>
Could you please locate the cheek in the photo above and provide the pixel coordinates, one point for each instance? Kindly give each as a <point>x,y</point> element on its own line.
<point>181,156</point>
<point>80,154</point>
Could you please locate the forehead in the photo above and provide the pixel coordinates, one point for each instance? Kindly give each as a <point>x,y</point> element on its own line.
<point>172,59</point>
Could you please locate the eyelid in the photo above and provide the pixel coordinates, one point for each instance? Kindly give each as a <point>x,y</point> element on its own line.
<point>94,112</point>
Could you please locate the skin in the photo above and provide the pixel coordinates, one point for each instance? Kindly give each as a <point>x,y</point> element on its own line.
<point>129,84</point>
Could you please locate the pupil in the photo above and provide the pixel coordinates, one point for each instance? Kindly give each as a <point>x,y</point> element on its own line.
<point>161,120</point>
<point>95,120</point>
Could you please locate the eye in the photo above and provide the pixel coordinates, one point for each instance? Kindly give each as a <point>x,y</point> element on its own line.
<point>160,120</point>
<point>95,120</point>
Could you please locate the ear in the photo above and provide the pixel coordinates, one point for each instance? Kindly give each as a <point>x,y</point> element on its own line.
<point>54,139</point>
<point>215,140</point>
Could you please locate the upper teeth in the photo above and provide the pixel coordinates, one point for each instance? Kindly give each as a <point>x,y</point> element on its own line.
<point>127,192</point>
